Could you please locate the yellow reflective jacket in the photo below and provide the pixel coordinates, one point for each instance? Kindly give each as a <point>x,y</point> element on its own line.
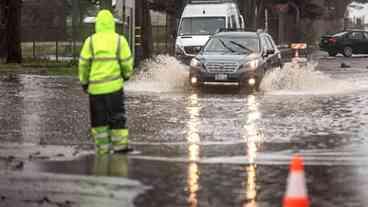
<point>100,65</point>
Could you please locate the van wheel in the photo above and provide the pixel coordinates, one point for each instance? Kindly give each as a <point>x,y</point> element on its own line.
<point>348,51</point>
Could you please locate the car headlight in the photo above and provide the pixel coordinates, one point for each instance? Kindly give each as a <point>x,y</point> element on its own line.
<point>195,63</point>
<point>253,64</point>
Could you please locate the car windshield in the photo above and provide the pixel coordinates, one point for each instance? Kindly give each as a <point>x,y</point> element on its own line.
<point>201,25</point>
<point>233,45</point>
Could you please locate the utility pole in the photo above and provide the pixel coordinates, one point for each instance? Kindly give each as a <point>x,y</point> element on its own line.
<point>75,26</point>
<point>266,20</point>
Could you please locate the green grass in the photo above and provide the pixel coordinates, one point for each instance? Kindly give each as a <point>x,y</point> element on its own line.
<point>41,67</point>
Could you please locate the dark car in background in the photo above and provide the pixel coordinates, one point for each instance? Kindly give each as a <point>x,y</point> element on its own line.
<point>346,43</point>
<point>237,57</point>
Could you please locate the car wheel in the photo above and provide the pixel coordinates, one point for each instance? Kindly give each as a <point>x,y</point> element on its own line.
<point>332,53</point>
<point>348,51</point>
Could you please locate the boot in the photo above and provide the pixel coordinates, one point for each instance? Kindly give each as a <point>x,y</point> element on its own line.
<point>119,138</point>
<point>102,140</point>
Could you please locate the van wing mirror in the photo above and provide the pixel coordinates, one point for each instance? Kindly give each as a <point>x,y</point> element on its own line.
<point>174,34</point>
<point>270,51</point>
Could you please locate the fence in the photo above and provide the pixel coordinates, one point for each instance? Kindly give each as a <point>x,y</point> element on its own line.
<point>162,40</point>
<point>55,29</point>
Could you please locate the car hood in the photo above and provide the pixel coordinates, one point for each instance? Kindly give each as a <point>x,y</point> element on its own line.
<point>195,40</point>
<point>228,57</point>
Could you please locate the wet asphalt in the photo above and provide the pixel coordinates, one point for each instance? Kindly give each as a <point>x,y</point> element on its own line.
<point>211,147</point>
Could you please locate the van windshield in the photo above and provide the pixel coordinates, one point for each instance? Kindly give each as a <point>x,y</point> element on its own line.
<point>201,25</point>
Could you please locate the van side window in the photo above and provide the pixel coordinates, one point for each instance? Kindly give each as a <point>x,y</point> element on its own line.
<point>240,21</point>
<point>263,43</point>
<point>266,44</point>
<point>233,20</point>
<point>271,42</point>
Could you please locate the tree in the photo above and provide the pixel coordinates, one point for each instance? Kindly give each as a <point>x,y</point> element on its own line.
<point>12,31</point>
<point>106,4</point>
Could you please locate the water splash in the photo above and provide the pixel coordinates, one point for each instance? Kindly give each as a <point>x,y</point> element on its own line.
<point>162,73</point>
<point>296,79</point>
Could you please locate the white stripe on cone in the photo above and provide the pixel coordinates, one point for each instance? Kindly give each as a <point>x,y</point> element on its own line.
<point>296,187</point>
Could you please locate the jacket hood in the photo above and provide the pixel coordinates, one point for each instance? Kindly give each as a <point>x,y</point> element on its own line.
<point>105,22</point>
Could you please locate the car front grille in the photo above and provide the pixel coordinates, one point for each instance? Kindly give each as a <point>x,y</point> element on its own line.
<point>192,50</point>
<point>221,67</point>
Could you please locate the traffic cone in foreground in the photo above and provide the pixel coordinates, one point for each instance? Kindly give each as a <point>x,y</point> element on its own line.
<point>296,192</point>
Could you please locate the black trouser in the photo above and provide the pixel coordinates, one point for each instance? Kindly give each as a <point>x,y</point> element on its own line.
<point>108,110</point>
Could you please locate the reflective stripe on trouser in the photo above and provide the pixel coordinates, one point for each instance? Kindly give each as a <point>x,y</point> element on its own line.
<point>119,138</point>
<point>101,136</point>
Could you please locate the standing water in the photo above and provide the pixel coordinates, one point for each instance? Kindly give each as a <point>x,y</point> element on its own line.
<point>215,149</point>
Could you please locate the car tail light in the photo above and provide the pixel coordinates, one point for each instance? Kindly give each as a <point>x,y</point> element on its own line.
<point>332,40</point>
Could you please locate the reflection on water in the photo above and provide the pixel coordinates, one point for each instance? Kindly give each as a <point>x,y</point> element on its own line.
<point>193,186</point>
<point>254,136</point>
<point>33,100</point>
<point>193,140</point>
<point>251,186</point>
<point>115,165</point>
<point>111,165</point>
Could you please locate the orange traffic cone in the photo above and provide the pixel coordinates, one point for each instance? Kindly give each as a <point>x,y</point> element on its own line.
<point>296,192</point>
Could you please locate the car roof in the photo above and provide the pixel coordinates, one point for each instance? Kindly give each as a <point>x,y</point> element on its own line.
<point>237,34</point>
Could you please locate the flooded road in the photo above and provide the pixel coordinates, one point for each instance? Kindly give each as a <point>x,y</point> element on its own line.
<point>213,147</point>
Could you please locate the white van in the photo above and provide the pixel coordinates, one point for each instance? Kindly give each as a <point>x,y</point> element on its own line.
<point>200,20</point>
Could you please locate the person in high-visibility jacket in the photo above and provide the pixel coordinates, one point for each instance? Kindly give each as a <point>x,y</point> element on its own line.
<point>105,64</point>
